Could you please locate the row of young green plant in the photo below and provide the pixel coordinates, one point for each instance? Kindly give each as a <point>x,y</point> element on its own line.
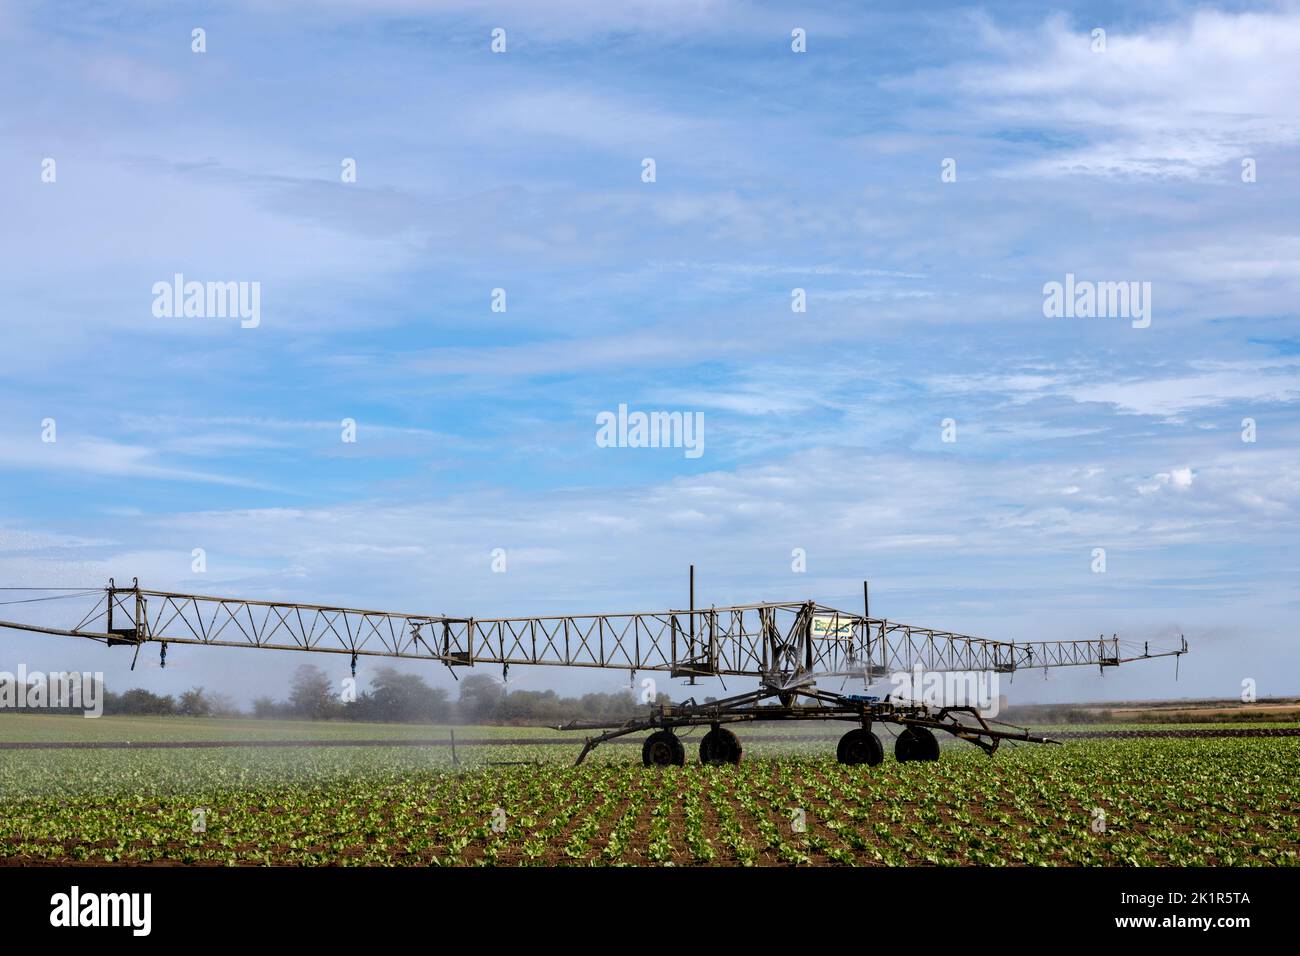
<point>1181,802</point>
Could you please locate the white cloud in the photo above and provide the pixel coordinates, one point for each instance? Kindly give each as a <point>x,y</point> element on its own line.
<point>103,457</point>
<point>1203,385</point>
<point>1209,385</point>
<point>1177,479</point>
<point>1174,100</point>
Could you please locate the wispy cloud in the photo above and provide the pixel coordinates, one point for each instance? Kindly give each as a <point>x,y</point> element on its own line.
<point>1177,99</point>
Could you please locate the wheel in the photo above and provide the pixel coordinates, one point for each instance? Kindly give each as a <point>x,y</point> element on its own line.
<point>662,749</point>
<point>904,744</point>
<point>916,743</point>
<point>860,746</point>
<point>720,746</point>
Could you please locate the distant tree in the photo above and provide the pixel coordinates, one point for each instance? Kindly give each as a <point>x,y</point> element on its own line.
<point>222,705</point>
<point>621,705</point>
<point>598,706</point>
<point>193,703</point>
<point>532,705</point>
<point>268,707</point>
<point>311,694</point>
<point>480,697</point>
<point>137,700</point>
<point>402,697</point>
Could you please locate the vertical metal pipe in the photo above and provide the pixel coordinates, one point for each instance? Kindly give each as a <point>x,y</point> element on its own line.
<point>807,635</point>
<point>692,610</point>
<point>866,627</point>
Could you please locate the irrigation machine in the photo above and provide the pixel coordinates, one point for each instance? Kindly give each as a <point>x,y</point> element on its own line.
<point>787,646</point>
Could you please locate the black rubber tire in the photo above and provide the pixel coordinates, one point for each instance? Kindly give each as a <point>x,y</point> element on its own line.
<point>916,743</point>
<point>720,746</point>
<point>663,749</point>
<point>860,746</point>
<point>903,745</point>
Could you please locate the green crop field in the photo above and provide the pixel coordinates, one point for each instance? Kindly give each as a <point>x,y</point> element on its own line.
<point>64,728</point>
<point>1170,801</point>
<point>54,728</point>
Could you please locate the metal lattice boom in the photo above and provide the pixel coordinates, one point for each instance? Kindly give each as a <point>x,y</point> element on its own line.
<point>757,640</point>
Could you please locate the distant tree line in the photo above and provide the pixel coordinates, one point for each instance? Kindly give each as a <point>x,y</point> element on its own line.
<point>195,702</point>
<point>392,697</point>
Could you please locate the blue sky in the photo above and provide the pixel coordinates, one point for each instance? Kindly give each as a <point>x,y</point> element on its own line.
<point>775,170</point>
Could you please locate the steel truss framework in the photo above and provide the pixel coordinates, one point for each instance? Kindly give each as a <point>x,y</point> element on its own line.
<point>750,640</point>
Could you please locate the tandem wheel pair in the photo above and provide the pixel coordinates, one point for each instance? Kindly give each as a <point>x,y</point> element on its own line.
<point>664,748</point>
